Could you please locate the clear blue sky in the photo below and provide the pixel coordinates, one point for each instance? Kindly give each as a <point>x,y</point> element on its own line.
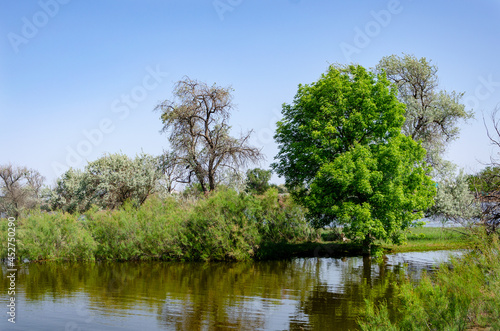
<point>70,67</point>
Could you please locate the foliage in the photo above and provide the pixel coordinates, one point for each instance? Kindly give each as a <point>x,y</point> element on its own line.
<point>107,183</point>
<point>20,189</point>
<point>344,157</point>
<point>454,200</point>
<point>199,132</point>
<point>257,180</point>
<point>152,231</point>
<point>225,225</point>
<point>283,220</point>
<point>463,296</point>
<point>222,228</point>
<point>485,181</point>
<point>431,115</point>
<point>59,236</point>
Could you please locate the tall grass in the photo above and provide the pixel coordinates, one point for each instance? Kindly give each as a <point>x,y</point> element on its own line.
<point>223,226</point>
<point>463,295</point>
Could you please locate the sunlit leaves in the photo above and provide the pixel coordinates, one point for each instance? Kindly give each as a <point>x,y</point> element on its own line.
<point>343,155</point>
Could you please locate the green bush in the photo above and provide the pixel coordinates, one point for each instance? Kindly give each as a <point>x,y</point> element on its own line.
<point>149,232</point>
<point>283,220</point>
<point>221,227</point>
<point>44,236</point>
<point>224,225</point>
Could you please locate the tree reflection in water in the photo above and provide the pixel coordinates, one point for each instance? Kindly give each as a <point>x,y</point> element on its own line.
<point>307,293</point>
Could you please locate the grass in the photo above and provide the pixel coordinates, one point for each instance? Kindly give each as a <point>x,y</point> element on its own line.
<point>431,238</point>
<point>331,244</point>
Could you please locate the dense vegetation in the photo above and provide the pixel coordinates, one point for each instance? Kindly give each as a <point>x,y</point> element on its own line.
<point>355,150</point>
<point>224,226</point>
<point>360,150</point>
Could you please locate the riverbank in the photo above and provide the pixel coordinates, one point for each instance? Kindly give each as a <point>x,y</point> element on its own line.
<point>419,240</point>
<point>225,226</point>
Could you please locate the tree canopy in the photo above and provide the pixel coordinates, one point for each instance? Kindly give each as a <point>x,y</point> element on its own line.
<point>199,133</point>
<point>258,180</point>
<point>432,115</point>
<point>344,157</point>
<point>20,189</point>
<point>107,183</point>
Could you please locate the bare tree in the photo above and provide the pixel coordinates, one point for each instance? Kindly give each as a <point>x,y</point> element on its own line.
<point>196,121</point>
<point>19,189</point>
<point>486,183</point>
<point>172,169</point>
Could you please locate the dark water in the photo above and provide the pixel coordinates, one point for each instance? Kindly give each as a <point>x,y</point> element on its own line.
<point>301,294</point>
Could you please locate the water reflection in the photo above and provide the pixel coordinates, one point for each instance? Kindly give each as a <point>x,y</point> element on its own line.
<point>301,294</point>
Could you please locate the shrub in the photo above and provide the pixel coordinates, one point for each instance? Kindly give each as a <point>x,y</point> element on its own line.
<point>225,225</point>
<point>57,236</point>
<point>222,227</point>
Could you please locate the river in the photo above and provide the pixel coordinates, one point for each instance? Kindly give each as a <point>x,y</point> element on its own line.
<point>298,294</point>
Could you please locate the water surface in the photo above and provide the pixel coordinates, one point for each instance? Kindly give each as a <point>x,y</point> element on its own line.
<point>299,294</point>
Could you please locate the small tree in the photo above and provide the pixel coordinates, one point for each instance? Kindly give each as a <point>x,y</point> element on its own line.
<point>20,189</point>
<point>199,133</point>
<point>485,181</point>
<point>107,182</point>
<point>344,157</point>
<point>172,170</point>
<point>486,184</point>
<point>455,201</point>
<point>258,180</point>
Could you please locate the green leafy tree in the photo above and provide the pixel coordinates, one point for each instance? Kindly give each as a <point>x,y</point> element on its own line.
<point>344,157</point>
<point>432,115</point>
<point>486,181</point>
<point>258,180</point>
